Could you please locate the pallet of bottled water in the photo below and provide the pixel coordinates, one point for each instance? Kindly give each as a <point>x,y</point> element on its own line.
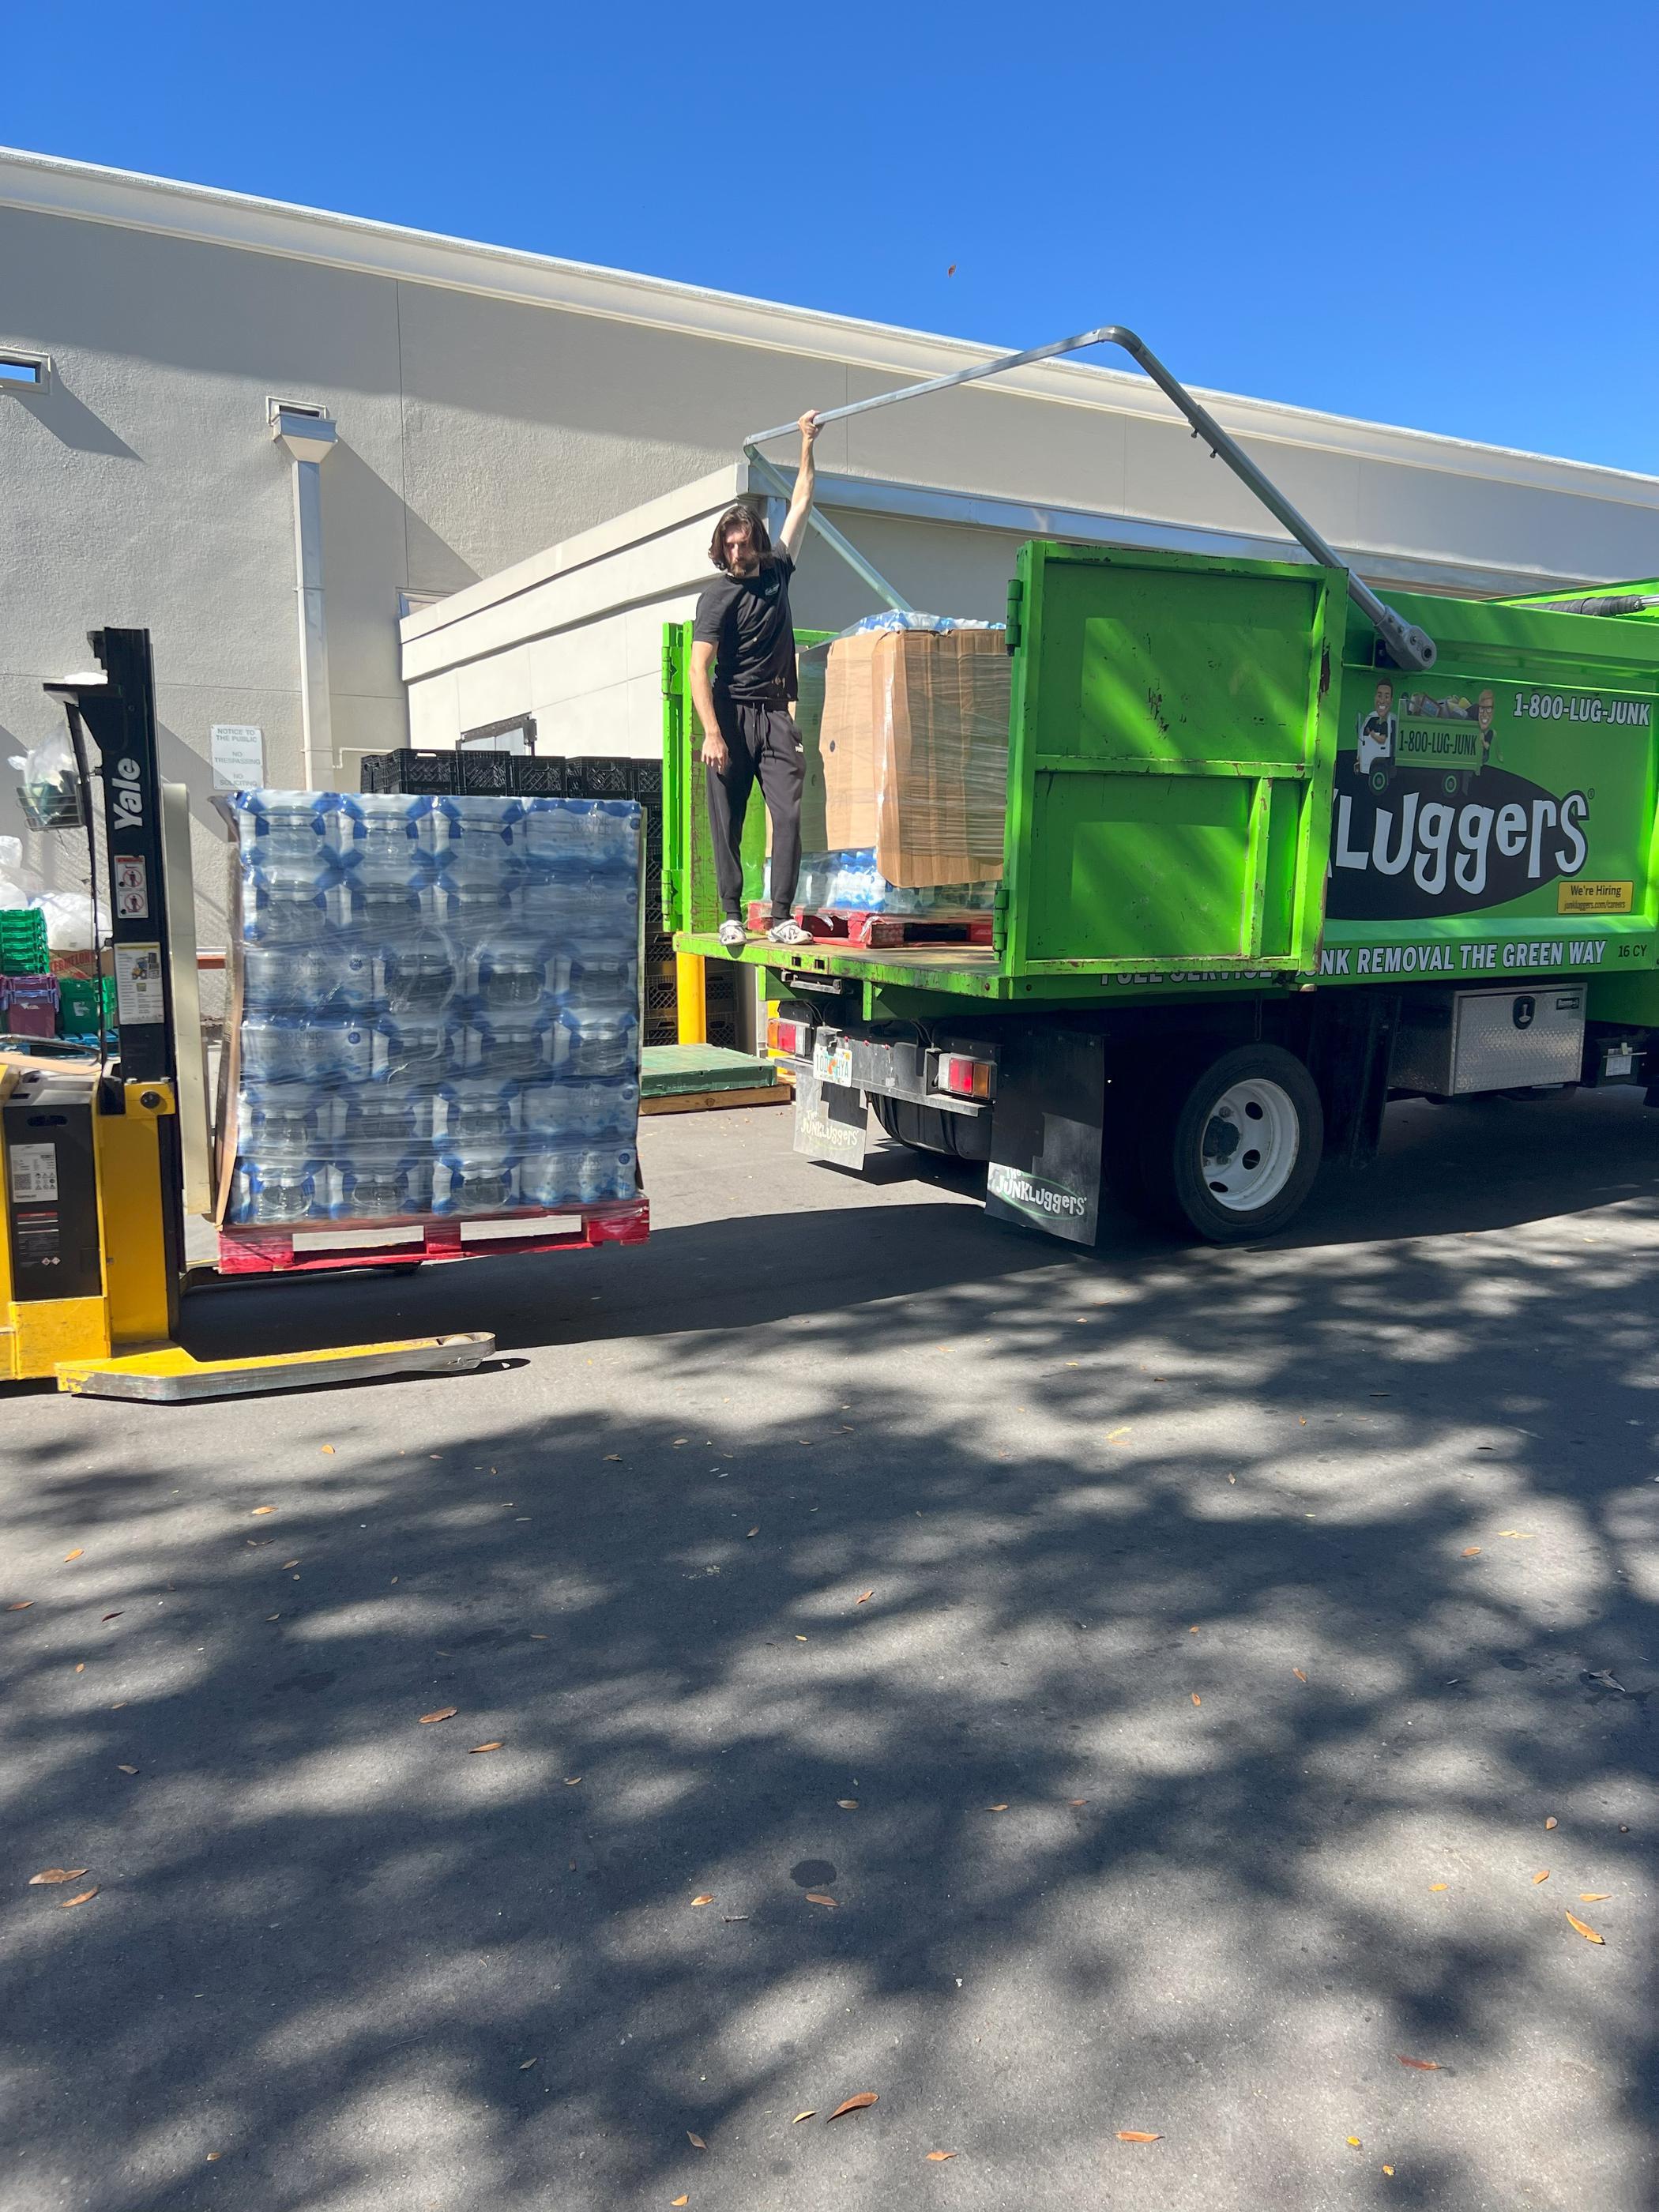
<point>438,1007</point>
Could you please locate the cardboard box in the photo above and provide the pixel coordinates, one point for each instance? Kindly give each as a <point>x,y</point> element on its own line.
<point>914,742</point>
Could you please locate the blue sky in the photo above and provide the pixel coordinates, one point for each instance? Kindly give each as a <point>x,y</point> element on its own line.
<point>1433,216</point>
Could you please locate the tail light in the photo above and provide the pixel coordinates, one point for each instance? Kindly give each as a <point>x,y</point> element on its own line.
<point>789,1039</point>
<point>963,1077</point>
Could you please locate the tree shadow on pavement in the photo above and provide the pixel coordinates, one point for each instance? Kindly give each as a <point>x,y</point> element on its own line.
<point>1204,1642</point>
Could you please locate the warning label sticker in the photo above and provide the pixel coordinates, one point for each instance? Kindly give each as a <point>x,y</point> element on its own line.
<point>138,983</point>
<point>131,888</point>
<point>33,1174</point>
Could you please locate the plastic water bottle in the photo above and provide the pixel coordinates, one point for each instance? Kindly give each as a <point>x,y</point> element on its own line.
<point>481,1180</point>
<point>273,1195</point>
<point>412,1050</point>
<point>557,1112</point>
<point>596,1044</point>
<point>421,972</point>
<point>290,905</point>
<point>603,975</point>
<point>274,1050</point>
<point>378,1192</point>
<point>335,1051</point>
<point>290,828</point>
<point>505,971</point>
<point>281,979</point>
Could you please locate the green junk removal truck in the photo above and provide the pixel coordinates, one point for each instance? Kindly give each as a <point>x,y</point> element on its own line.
<point>1258,880</point>
<point>1275,852</point>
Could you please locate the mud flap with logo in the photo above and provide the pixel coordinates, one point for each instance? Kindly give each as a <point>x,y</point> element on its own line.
<point>831,1123</point>
<point>1046,1133</point>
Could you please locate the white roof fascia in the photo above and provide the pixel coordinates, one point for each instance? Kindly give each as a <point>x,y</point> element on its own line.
<point>46,184</point>
<point>450,633</point>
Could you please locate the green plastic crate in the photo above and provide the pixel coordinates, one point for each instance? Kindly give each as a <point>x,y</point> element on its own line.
<point>22,941</point>
<point>78,1005</point>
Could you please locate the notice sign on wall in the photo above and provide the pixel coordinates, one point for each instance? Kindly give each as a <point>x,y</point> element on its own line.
<point>238,750</point>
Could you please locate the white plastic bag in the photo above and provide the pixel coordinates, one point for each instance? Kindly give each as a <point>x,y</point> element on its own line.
<point>70,920</point>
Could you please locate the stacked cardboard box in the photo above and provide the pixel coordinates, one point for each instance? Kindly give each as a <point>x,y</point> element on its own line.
<point>913,742</point>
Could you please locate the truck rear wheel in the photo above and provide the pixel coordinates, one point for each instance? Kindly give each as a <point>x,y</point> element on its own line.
<point>1230,1154</point>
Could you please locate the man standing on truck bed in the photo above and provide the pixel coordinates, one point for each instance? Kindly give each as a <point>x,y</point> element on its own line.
<point>744,629</point>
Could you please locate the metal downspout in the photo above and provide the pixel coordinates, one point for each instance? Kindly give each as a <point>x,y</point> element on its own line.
<point>309,440</point>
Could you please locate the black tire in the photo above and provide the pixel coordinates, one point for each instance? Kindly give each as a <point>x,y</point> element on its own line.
<point>1182,1159</point>
<point>1379,778</point>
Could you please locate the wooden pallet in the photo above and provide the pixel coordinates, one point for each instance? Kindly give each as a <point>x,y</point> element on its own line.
<point>329,1247</point>
<point>877,932</point>
<point>705,1101</point>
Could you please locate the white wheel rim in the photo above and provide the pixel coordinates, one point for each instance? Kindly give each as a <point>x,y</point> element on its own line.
<point>1249,1144</point>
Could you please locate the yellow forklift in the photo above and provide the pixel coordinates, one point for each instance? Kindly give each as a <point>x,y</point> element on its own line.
<point>99,1149</point>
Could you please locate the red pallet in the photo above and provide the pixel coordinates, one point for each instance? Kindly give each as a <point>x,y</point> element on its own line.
<point>848,926</point>
<point>402,1245</point>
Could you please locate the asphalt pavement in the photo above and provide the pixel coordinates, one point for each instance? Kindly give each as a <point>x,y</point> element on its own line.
<point>1074,1698</point>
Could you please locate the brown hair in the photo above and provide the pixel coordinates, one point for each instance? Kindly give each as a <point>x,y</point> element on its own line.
<point>760,537</point>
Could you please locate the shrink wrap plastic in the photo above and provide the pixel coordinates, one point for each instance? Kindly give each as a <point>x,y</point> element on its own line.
<point>436,1007</point>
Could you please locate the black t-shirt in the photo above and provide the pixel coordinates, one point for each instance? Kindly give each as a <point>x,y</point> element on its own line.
<point>747,620</point>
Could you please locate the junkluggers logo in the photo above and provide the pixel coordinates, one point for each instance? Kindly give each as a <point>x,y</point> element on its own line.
<point>1405,853</point>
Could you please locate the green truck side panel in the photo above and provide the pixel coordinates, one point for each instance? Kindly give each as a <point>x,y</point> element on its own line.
<point>1209,791</point>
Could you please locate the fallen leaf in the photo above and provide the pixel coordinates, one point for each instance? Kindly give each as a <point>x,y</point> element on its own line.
<point>1418,2065</point>
<point>1354,2143</point>
<point>613,1454</point>
<point>1197,1700</point>
<point>290,1562</point>
<point>1471,1551</point>
<point>1550,1823</point>
<point>999,1808</point>
<point>939,2157</point>
<point>754,1532</point>
<point>1137,2134</point>
<point>443,1713</point>
<point>24,1603</point>
<point>864,2099</point>
<point>327,1448</point>
<point>811,2113</point>
<point>525,2064</point>
<point>79,1554</point>
<point>535,1638</point>
<point>64,1903</point>
<point>1298,1674</point>
<point>1585,1896</point>
<point>1077,1800</point>
<point>129,1769</point>
<point>1388,2170</point>
<point>1537,1878</point>
<point>848,1804</point>
<point>1521,1535</point>
<point>477,1748</point>
<point>682,1440</point>
<point>1603,1675</point>
<point>679,2200</point>
<point>706,1899</point>
<point>262,1508</point>
<point>56,1873</point>
<point>1433,1886</point>
<point>80,1666</point>
<point>800,1639</point>
<point>865,1599</point>
<point>695,2142</point>
<point>214,2154</point>
<point>950,272</point>
<point>571,1780</point>
<point>1585,1929</point>
<point>817,1897</point>
<point>108,1616</point>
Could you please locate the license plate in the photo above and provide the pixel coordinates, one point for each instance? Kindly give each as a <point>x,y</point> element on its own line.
<point>833,1063</point>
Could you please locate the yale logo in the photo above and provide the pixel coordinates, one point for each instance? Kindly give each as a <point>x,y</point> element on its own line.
<point>129,793</point>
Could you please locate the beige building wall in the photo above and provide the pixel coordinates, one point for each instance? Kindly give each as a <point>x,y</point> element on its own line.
<point>495,409</point>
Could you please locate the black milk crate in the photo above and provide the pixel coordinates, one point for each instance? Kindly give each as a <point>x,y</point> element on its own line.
<point>591,776</point>
<point>645,781</point>
<point>534,777</point>
<point>412,770</point>
<point>484,774</point>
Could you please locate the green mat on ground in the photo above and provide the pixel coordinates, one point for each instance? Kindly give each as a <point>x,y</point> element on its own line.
<point>666,1069</point>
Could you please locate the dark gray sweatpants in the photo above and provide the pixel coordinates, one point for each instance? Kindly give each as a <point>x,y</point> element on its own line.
<point>762,746</point>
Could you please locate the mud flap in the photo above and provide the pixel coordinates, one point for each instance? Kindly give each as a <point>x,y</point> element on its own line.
<point>831,1123</point>
<point>1046,1131</point>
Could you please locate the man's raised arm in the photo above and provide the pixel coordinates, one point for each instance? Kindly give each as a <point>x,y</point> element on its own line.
<point>794,524</point>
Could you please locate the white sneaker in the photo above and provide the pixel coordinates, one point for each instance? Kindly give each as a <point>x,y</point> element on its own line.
<point>788,933</point>
<point>733,935</point>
